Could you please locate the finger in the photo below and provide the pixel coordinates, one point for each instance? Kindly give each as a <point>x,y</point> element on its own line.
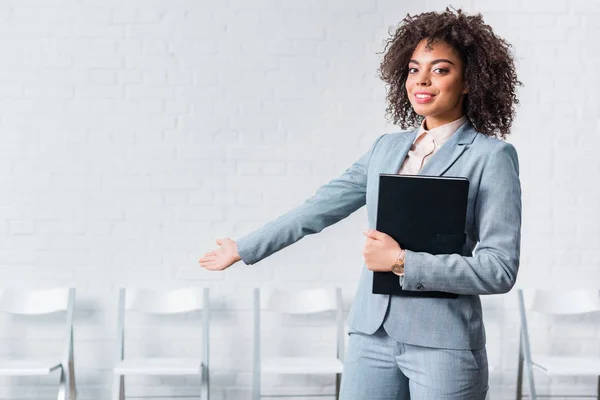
<point>209,264</point>
<point>371,234</point>
<point>207,256</point>
<point>375,234</point>
<point>374,268</point>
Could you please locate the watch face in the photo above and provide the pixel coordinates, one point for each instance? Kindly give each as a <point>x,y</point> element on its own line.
<point>398,269</point>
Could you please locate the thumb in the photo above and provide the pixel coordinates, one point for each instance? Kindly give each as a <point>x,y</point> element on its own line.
<point>219,241</point>
<point>374,234</point>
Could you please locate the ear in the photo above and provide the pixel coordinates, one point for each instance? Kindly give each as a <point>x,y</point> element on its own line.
<point>465,89</point>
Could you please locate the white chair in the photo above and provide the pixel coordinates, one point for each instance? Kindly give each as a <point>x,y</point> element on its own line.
<point>555,303</point>
<point>161,302</point>
<point>39,302</point>
<point>307,301</point>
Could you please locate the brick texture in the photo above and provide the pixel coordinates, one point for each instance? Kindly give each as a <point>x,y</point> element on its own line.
<point>133,134</point>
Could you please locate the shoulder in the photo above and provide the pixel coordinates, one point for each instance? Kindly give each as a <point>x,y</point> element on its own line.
<point>489,142</point>
<point>399,135</point>
<point>492,147</point>
<point>395,137</point>
<point>496,153</point>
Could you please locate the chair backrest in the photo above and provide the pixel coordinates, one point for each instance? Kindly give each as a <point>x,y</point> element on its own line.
<point>551,302</point>
<point>307,301</point>
<point>164,302</point>
<point>562,302</point>
<point>43,301</point>
<point>36,302</point>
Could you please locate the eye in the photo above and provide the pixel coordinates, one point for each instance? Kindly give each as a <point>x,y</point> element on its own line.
<point>410,70</point>
<point>442,70</point>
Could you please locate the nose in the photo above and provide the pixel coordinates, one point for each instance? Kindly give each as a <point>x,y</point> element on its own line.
<point>423,81</point>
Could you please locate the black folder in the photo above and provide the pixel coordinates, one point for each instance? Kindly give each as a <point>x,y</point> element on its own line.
<point>423,214</point>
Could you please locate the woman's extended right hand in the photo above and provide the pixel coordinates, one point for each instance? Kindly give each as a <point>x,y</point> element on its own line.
<point>221,258</point>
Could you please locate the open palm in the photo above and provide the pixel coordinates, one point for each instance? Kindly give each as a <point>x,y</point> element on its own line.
<point>221,258</point>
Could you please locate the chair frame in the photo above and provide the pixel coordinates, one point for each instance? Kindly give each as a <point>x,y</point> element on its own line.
<point>119,381</point>
<point>66,385</point>
<point>525,358</point>
<point>257,371</point>
<point>68,377</point>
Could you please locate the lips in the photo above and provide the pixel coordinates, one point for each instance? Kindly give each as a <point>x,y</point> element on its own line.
<point>423,97</point>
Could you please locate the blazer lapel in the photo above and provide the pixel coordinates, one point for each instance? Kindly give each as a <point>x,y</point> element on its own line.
<point>450,151</point>
<point>398,151</point>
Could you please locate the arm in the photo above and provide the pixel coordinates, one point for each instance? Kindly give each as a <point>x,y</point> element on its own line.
<point>331,203</point>
<point>493,268</point>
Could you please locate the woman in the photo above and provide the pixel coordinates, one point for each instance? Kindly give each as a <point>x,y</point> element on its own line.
<point>451,76</point>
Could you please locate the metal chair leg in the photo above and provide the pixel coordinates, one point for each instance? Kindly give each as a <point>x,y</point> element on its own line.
<point>532,391</point>
<point>255,391</point>
<point>72,395</point>
<point>118,388</point>
<point>62,385</point>
<point>520,373</point>
<point>205,384</point>
<point>338,381</point>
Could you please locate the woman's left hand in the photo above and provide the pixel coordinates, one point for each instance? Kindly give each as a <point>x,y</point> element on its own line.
<point>381,250</point>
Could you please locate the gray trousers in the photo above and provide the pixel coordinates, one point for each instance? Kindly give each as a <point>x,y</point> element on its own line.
<point>377,367</point>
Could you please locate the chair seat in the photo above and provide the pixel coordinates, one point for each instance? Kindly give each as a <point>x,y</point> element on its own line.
<point>159,366</point>
<point>27,367</point>
<point>567,366</point>
<point>302,365</point>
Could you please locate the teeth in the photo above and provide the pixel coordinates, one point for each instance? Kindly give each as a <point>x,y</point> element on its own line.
<point>423,96</point>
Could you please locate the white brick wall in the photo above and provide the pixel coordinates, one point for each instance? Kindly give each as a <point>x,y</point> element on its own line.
<point>133,134</point>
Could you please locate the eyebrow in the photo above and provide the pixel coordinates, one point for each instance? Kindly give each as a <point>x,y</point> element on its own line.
<point>439,60</point>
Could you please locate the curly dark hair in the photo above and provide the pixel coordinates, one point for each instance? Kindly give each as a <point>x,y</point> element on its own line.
<point>489,70</point>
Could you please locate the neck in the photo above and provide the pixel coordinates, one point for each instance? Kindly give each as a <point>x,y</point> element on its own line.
<point>436,122</point>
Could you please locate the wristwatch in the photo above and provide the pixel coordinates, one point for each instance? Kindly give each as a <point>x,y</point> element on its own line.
<point>398,266</point>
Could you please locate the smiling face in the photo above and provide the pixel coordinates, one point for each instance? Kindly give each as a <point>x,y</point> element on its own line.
<point>435,84</point>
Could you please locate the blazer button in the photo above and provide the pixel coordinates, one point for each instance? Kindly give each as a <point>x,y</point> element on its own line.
<point>420,287</point>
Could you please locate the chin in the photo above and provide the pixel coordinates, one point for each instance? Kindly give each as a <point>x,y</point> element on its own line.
<point>423,111</point>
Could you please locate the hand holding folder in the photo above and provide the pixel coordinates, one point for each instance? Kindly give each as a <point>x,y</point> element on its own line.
<point>423,214</point>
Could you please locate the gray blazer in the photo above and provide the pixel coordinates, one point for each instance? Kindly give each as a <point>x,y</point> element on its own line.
<point>487,265</point>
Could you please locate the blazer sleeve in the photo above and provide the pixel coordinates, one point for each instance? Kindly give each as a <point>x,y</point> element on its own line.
<point>493,267</point>
<point>331,203</point>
